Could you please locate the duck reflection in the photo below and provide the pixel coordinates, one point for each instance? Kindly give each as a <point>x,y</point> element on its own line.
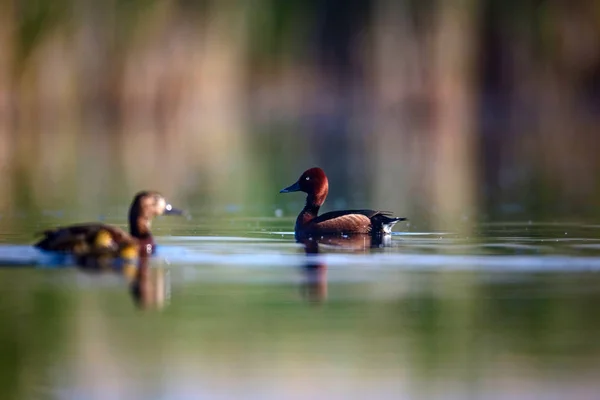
<point>314,285</point>
<point>150,287</point>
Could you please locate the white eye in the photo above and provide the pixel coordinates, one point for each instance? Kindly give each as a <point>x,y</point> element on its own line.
<point>168,207</point>
<point>308,178</point>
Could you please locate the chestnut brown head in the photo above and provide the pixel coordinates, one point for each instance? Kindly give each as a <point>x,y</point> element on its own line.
<point>313,182</point>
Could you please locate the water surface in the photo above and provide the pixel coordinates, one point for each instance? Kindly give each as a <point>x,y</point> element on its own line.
<point>241,311</point>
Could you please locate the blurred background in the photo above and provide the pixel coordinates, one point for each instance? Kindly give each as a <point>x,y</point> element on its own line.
<point>448,112</point>
<point>443,111</point>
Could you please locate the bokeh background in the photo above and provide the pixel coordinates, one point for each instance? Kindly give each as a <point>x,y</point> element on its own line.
<point>443,111</point>
<point>448,112</point>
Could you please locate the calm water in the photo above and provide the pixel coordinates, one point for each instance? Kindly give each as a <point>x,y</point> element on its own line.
<point>238,310</point>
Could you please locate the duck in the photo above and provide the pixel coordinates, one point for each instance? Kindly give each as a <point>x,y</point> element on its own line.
<point>91,241</point>
<point>315,184</point>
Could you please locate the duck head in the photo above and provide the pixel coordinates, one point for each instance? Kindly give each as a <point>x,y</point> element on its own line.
<point>314,183</point>
<point>145,206</point>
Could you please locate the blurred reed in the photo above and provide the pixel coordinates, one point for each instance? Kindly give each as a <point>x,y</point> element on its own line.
<point>443,112</point>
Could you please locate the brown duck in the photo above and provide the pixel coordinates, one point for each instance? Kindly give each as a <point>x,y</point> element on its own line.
<point>89,241</point>
<point>309,224</point>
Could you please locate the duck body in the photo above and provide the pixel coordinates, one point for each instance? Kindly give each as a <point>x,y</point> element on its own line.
<point>344,222</point>
<point>91,242</point>
<point>82,238</point>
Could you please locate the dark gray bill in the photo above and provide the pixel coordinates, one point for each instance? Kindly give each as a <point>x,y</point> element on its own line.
<point>170,210</point>
<point>293,188</point>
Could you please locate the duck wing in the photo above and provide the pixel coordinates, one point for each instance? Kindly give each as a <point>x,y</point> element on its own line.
<point>354,221</point>
<point>345,221</point>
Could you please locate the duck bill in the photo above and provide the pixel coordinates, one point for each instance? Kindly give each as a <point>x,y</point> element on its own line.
<point>170,210</point>
<point>293,188</point>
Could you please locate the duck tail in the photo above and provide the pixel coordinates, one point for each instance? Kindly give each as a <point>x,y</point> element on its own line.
<point>47,236</point>
<point>44,243</point>
<point>387,221</point>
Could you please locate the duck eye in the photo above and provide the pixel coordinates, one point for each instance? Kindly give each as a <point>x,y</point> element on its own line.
<point>308,178</point>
